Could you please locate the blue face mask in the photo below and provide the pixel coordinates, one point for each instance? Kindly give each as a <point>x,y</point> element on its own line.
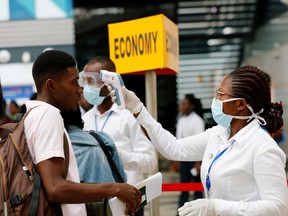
<point>92,95</point>
<point>217,112</point>
<point>224,120</point>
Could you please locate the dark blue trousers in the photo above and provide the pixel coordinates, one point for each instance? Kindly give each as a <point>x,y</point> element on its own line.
<point>186,177</point>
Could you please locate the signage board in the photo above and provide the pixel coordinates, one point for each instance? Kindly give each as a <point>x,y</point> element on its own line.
<point>144,44</point>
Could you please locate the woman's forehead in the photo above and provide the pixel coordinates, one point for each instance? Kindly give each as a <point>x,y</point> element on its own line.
<point>226,83</point>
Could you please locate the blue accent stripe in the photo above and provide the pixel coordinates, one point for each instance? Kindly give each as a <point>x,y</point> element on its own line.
<point>22,10</point>
<point>65,5</point>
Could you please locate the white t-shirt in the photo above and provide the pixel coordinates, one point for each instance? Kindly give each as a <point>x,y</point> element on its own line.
<point>44,129</point>
<point>248,179</point>
<point>189,125</point>
<point>135,149</point>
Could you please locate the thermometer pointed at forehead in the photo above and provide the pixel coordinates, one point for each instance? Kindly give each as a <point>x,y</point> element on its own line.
<point>110,77</point>
<point>115,80</point>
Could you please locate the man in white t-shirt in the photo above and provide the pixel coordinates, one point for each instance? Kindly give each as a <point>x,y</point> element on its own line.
<point>56,77</point>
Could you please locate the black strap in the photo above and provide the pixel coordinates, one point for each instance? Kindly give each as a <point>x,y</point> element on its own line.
<point>115,172</point>
<point>35,194</point>
<point>66,153</point>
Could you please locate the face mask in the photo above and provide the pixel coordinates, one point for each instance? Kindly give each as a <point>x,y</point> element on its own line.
<point>224,120</point>
<point>92,95</point>
<point>217,112</point>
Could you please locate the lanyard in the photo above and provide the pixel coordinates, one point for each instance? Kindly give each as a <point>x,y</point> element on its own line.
<point>208,183</point>
<point>104,122</point>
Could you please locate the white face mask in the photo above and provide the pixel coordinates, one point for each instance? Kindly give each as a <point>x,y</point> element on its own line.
<point>92,94</point>
<point>224,120</point>
<point>217,112</point>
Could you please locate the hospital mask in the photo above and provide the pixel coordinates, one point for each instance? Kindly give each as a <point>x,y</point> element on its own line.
<point>91,83</point>
<point>92,95</point>
<point>225,120</point>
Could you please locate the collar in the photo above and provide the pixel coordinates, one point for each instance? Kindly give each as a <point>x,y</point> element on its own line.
<point>247,131</point>
<point>33,103</point>
<point>242,135</point>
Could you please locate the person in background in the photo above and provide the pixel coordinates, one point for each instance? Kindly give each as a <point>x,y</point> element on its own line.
<point>56,78</point>
<point>279,136</point>
<point>14,109</point>
<point>243,168</point>
<point>23,107</point>
<point>135,149</point>
<point>4,118</point>
<point>189,123</point>
<point>91,160</point>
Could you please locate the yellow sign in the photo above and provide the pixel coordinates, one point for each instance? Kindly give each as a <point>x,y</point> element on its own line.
<point>139,45</point>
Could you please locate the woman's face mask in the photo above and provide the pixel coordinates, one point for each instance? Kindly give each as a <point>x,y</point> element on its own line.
<point>225,120</point>
<point>217,112</point>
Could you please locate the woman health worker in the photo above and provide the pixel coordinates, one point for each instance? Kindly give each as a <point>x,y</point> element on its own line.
<point>243,169</point>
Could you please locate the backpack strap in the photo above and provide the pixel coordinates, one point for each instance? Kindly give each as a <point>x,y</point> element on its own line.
<point>115,172</point>
<point>35,195</point>
<point>66,153</point>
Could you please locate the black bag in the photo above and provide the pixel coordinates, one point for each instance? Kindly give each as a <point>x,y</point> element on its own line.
<point>101,207</point>
<point>98,208</point>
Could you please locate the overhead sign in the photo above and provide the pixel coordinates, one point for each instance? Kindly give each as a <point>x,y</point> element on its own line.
<point>35,9</point>
<point>150,43</point>
<point>17,92</point>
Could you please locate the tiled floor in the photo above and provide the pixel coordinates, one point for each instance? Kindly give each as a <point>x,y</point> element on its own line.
<point>168,204</point>
<point>167,201</point>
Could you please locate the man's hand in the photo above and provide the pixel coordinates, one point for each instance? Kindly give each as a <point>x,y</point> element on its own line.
<point>132,102</point>
<point>131,196</point>
<point>199,207</point>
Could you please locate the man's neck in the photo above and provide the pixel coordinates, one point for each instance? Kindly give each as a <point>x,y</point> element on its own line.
<point>106,105</point>
<point>188,113</point>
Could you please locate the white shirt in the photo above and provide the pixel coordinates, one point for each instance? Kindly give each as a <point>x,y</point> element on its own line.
<point>189,125</point>
<point>135,149</point>
<point>44,131</point>
<point>248,179</point>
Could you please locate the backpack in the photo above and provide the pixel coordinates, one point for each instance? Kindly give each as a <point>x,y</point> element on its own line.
<point>20,184</point>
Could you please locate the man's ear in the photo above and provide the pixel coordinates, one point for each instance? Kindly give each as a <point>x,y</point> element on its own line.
<point>241,104</point>
<point>50,85</point>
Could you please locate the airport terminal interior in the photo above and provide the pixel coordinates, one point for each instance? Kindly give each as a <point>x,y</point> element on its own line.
<point>215,37</point>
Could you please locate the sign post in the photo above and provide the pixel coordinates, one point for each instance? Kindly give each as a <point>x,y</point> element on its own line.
<point>147,46</point>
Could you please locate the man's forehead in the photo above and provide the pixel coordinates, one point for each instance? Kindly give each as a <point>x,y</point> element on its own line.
<point>93,67</point>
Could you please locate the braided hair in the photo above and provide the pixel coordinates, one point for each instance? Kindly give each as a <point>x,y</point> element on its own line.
<point>253,85</point>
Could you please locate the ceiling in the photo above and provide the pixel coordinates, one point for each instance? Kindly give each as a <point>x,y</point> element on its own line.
<point>198,21</point>
<point>205,27</point>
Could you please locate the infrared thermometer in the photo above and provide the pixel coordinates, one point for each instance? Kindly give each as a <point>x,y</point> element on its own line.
<point>115,81</point>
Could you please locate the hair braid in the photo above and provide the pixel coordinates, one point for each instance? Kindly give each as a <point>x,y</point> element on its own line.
<point>253,85</point>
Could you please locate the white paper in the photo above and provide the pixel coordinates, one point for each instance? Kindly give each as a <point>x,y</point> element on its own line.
<point>152,187</point>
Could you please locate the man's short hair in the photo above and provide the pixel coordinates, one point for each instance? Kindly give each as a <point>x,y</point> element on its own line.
<point>50,64</point>
<point>104,61</point>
